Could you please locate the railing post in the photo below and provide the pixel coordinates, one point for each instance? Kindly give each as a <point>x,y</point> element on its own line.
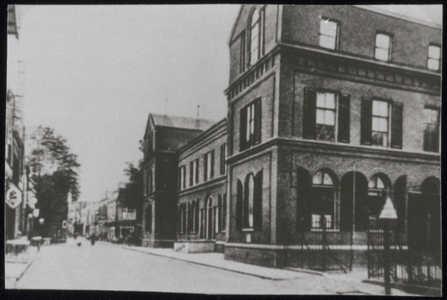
<point>323,219</point>
<point>386,253</point>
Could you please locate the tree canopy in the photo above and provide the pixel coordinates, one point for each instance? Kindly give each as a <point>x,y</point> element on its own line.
<point>131,193</point>
<point>54,171</point>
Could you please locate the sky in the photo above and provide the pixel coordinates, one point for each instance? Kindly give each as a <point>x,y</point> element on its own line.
<point>94,73</point>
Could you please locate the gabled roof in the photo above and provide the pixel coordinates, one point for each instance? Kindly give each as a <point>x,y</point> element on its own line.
<point>181,122</point>
<point>235,24</point>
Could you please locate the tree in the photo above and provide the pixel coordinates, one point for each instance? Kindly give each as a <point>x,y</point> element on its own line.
<point>131,193</point>
<point>54,173</point>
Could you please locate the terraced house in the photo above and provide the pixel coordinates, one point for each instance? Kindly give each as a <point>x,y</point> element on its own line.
<point>331,110</point>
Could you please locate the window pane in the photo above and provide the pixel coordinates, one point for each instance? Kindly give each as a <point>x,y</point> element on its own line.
<point>316,221</point>
<point>434,52</point>
<point>380,108</point>
<point>380,184</point>
<point>375,124</point>
<point>321,100</point>
<point>328,28</point>
<point>254,17</point>
<point>330,100</point>
<point>382,41</point>
<point>327,42</point>
<point>320,116</point>
<point>372,183</point>
<point>329,118</point>
<point>376,108</point>
<point>381,54</point>
<point>327,180</point>
<point>383,125</point>
<point>317,178</point>
<point>384,109</point>
<point>433,64</point>
<point>384,140</point>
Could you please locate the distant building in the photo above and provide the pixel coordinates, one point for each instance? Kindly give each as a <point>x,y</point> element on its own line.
<point>15,189</point>
<point>331,110</point>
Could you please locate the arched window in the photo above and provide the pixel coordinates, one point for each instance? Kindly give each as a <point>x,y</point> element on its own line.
<point>248,201</point>
<point>189,222</point>
<point>256,30</point>
<point>149,181</point>
<point>219,214</point>
<point>183,218</point>
<point>254,37</point>
<point>196,213</point>
<point>377,194</point>
<point>239,204</point>
<point>209,219</point>
<point>252,209</point>
<point>323,204</point>
<point>224,212</point>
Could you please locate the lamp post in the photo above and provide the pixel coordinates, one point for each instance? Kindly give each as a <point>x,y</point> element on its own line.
<point>387,215</point>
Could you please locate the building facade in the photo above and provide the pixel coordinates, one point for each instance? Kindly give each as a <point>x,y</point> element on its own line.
<point>163,137</point>
<point>15,176</point>
<point>320,131</point>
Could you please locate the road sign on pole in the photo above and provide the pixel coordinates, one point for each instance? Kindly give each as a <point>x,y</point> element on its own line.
<point>388,213</point>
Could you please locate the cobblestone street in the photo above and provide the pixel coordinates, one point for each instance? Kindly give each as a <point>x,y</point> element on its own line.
<point>107,266</point>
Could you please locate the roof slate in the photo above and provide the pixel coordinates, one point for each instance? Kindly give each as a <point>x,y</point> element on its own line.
<point>181,122</point>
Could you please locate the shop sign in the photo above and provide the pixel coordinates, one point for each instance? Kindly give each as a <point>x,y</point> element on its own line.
<point>13,197</point>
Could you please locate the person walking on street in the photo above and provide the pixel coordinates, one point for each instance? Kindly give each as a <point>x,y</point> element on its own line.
<point>92,239</point>
<point>130,238</point>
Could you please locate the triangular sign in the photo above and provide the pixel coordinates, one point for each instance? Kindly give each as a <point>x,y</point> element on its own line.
<point>388,211</point>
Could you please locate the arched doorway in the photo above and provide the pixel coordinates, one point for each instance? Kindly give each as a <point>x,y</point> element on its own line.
<point>353,194</point>
<point>424,212</point>
<point>303,205</point>
<point>400,200</point>
<point>209,218</point>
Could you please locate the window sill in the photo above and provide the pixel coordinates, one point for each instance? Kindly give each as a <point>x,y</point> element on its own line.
<point>248,230</point>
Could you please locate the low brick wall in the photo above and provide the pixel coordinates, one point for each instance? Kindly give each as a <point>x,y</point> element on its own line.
<point>194,246</point>
<point>157,243</point>
<point>262,257</point>
<point>279,257</point>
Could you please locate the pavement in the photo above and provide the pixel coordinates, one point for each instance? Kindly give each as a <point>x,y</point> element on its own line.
<point>113,267</point>
<point>350,283</point>
<point>16,266</point>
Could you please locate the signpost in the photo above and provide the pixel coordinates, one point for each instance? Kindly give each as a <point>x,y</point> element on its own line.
<point>388,213</point>
<point>13,197</point>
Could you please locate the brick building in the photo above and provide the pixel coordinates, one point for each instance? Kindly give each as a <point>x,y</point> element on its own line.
<point>320,131</point>
<point>163,137</point>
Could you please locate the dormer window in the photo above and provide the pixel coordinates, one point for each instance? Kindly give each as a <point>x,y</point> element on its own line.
<point>383,47</point>
<point>434,57</point>
<point>256,35</point>
<point>328,34</point>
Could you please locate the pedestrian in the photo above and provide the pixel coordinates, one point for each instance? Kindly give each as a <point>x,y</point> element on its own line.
<point>129,238</point>
<point>92,239</point>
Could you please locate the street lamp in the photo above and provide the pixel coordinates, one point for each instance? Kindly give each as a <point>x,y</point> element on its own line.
<point>387,214</point>
<point>36,212</point>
